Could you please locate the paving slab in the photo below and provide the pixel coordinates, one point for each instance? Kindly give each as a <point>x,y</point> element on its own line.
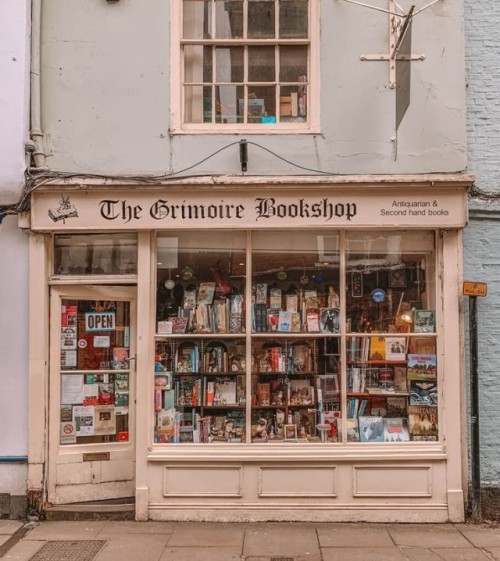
<point>198,534</point>
<point>427,535</point>
<point>460,554</point>
<point>8,527</point>
<point>282,540</point>
<point>201,554</point>
<point>23,550</point>
<point>420,554</point>
<point>116,528</point>
<point>494,552</point>
<point>132,548</point>
<point>67,530</point>
<point>481,536</point>
<point>362,554</point>
<point>363,535</point>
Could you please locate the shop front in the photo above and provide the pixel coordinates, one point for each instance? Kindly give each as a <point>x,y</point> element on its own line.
<point>230,350</point>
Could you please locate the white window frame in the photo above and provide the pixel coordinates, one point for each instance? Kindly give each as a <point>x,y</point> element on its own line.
<point>176,85</point>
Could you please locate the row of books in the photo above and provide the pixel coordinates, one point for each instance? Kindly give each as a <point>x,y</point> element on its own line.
<point>203,318</point>
<point>420,425</point>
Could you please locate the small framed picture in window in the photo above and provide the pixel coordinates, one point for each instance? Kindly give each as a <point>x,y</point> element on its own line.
<point>290,432</point>
<point>397,278</point>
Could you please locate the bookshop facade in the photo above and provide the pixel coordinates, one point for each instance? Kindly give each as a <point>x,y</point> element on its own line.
<point>233,350</point>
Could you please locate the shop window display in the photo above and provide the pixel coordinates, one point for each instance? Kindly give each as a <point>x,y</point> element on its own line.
<point>331,339</point>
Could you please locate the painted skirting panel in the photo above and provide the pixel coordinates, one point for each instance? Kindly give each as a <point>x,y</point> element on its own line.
<point>392,481</point>
<point>205,481</point>
<point>297,481</point>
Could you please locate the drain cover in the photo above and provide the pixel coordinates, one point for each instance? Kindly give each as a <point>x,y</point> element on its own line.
<point>83,550</point>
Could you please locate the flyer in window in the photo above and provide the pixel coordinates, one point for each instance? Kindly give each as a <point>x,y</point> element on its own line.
<point>83,417</point>
<point>72,388</point>
<point>104,419</point>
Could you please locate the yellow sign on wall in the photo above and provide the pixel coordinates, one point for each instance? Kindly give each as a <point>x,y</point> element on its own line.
<point>475,288</point>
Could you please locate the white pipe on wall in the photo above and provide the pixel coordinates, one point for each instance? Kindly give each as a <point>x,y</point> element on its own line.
<point>36,129</point>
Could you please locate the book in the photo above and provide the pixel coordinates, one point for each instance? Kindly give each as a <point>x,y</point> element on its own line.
<point>225,391</point>
<point>189,301</point>
<point>291,302</point>
<point>423,423</point>
<point>377,348</point>
<point>261,293</point>
<point>312,322</point>
<point>395,348</point>
<point>285,321</point>
<point>260,316</point>
<point>424,321</point>
<point>396,430</point>
<point>179,324</point>
<point>301,392</point>
<point>120,358</point>
<point>311,299</point>
<point>329,386</point>
<point>422,367</point>
<point>329,320</point>
<point>275,298</point>
<point>371,429</point>
<point>331,418</point>
<point>264,394</point>
<point>272,320</point>
<point>206,293</point>
<point>423,392</point>
<point>396,406</point>
<point>400,380</point>
<point>295,322</point>
<point>352,430</point>
<point>422,345</point>
<point>386,379</point>
<point>378,406</point>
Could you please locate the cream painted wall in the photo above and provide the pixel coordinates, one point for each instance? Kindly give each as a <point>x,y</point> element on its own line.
<point>105,95</point>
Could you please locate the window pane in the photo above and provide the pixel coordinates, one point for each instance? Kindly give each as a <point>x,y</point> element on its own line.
<point>261,64</point>
<point>95,404</point>
<point>293,19</point>
<point>95,254</point>
<point>293,63</point>
<point>198,104</point>
<point>197,21</point>
<point>261,105</point>
<point>229,110</point>
<point>261,19</point>
<point>229,19</point>
<point>229,64</point>
<point>197,64</point>
<point>290,104</point>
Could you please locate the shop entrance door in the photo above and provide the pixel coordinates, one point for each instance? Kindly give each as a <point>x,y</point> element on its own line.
<point>91,394</point>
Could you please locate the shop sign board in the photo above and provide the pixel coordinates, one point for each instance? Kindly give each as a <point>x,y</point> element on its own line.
<point>308,207</point>
<point>100,321</point>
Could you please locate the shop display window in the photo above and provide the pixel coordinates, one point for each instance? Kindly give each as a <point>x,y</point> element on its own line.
<point>332,338</point>
<point>95,382</point>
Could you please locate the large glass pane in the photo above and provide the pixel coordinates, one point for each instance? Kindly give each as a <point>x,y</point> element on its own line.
<point>197,19</point>
<point>200,357</point>
<point>229,19</point>
<point>95,254</point>
<point>95,342</point>
<point>261,105</point>
<point>294,19</point>
<point>293,63</point>
<point>261,64</point>
<point>261,19</point>
<point>296,373</point>
<point>392,383</point>
<point>229,109</point>
<point>198,64</point>
<point>198,104</point>
<point>229,64</point>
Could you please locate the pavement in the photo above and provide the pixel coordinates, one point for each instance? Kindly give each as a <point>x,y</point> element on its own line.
<point>103,540</point>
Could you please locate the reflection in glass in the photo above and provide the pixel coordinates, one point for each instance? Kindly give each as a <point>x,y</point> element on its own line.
<point>261,19</point>
<point>197,19</point>
<point>261,64</point>
<point>293,19</point>
<point>229,19</point>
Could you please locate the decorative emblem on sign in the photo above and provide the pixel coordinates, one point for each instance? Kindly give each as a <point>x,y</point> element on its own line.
<point>65,210</point>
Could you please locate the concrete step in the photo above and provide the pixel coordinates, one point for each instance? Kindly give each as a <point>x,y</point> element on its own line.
<point>114,509</point>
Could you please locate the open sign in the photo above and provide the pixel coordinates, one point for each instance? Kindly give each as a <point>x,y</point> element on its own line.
<point>100,321</point>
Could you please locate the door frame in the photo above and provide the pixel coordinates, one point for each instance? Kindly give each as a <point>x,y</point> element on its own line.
<point>73,489</point>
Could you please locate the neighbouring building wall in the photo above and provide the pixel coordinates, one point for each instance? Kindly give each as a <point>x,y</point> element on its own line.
<point>106,96</point>
<point>482,236</point>
<point>14,116</point>
<point>14,102</point>
<point>13,367</point>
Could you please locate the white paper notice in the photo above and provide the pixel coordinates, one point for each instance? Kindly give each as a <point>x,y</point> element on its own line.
<point>83,418</point>
<point>72,388</point>
<point>101,342</point>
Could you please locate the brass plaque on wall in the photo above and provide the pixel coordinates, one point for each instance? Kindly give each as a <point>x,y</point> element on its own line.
<point>96,457</point>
